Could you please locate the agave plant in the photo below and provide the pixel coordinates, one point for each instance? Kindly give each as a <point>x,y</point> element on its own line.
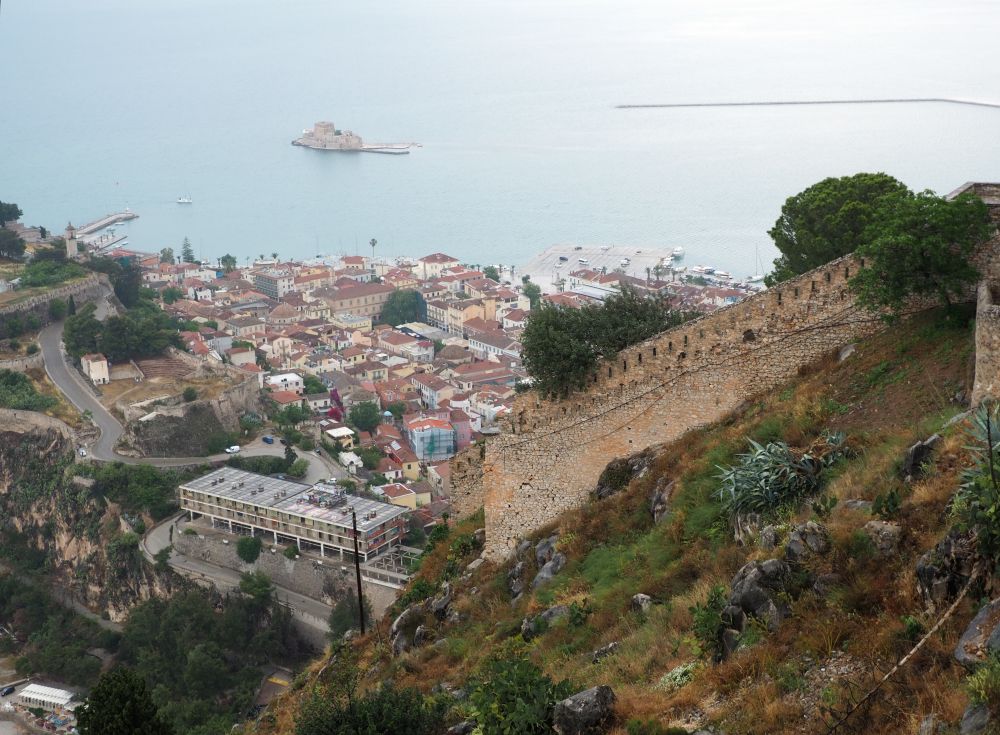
<point>773,478</point>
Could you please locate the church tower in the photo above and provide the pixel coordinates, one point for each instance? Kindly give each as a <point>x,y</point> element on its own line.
<point>71,245</point>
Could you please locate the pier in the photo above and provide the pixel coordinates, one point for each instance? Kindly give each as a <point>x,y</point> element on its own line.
<point>107,221</point>
<point>774,103</point>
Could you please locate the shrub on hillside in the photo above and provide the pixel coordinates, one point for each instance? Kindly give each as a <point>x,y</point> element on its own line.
<point>344,616</point>
<point>514,696</point>
<point>977,502</point>
<point>386,710</point>
<point>248,548</point>
<point>190,393</point>
<point>18,392</point>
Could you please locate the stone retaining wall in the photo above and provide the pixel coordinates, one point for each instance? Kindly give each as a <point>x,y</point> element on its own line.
<point>320,582</point>
<point>22,364</point>
<point>89,288</point>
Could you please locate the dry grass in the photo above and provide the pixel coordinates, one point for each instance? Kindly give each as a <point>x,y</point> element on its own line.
<point>63,410</point>
<point>892,392</point>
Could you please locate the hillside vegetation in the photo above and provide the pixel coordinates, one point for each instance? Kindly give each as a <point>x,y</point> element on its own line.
<point>849,606</point>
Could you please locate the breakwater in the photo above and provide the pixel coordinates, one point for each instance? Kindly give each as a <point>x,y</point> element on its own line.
<point>773,103</point>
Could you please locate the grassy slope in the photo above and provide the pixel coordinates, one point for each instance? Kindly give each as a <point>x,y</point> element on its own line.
<point>895,389</point>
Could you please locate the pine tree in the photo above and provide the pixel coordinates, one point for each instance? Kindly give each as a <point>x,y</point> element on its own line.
<point>71,307</point>
<point>187,252</point>
<point>121,704</point>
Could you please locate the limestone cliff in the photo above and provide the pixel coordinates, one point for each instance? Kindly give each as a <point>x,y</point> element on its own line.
<point>54,523</point>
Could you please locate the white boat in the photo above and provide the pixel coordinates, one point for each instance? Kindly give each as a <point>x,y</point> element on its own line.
<point>723,275</point>
<point>677,253</point>
<point>185,199</point>
<point>756,278</point>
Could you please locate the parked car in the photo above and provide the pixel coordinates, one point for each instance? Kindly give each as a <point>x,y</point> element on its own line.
<point>268,439</point>
<point>83,452</point>
<point>232,450</point>
<point>6,691</point>
<point>563,258</point>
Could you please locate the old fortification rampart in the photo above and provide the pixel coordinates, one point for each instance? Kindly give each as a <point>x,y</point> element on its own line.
<point>552,452</point>
<point>88,288</point>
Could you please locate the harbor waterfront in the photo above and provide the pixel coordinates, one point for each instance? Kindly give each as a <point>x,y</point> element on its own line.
<point>522,146</point>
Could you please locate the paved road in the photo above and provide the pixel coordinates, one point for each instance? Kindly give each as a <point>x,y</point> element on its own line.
<point>306,610</point>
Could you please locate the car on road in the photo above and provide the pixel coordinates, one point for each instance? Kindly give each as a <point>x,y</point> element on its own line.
<point>268,439</point>
<point>316,450</point>
<point>6,691</point>
<point>563,258</point>
<point>232,450</point>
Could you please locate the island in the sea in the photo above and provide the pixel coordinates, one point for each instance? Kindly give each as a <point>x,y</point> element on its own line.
<point>326,137</point>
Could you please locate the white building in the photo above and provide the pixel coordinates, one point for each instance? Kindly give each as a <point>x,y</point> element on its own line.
<point>48,698</point>
<point>95,367</point>
<point>287,381</point>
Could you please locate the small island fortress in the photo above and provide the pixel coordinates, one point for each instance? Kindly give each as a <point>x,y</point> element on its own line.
<point>326,137</point>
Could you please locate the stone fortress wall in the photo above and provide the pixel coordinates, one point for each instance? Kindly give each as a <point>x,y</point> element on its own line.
<point>88,288</point>
<point>552,453</point>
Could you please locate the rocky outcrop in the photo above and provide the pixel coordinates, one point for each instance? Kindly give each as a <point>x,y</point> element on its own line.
<point>659,499</point>
<point>757,589</point>
<point>641,603</point>
<point>981,638</point>
<point>806,540</point>
<point>548,572</point>
<point>943,571</point>
<point>603,652</point>
<point>620,472</point>
<point>916,456</point>
<point>586,713</point>
<point>885,536</point>
<point>515,580</point>
<point>404,628</point>
<point>545,549</point>
<point>976,720</point>
<point>534,626</point>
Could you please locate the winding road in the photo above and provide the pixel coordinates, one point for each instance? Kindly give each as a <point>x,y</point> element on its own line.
<point>307,611</point>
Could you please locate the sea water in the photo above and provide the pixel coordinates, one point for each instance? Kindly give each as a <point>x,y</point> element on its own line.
<point>110,104</point>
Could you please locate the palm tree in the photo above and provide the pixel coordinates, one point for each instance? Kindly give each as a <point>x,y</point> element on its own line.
<point>373,242</point>
<point>261,256</point>
<point>274,256</point>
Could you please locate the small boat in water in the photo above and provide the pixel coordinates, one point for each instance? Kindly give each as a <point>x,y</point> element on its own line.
<point>185,199</point>
<point>755,278</point>
<point>677,252</point>
<point>723,275</point>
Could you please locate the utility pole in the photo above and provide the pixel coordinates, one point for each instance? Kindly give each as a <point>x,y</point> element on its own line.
<point>357,572</point>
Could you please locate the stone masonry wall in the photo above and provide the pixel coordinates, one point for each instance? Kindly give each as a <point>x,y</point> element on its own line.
<point>466,491</point>
<point>22,364</point>
<point>89,288</point>
<point>554,451</point>
<point>987,380</point>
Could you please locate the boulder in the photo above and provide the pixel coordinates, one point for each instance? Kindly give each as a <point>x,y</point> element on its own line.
<point>756,590</point>
<point>825,583</point>
<point>768,538</point>
<point>546,549</point>
<point>916,456</point>
<point>522,548</point>
<point>641,603</point>
<point>462,728</point>
<point>479,537</point>
<point>931,725</point>
<point>439,605</point>
<point>402,628</point>
<point>943,571</point>
<point>659,499</point>
<point>515,579</point>
<point>422,636</point>
<point>730,642</point>
<point>604,651</point>
<point>587,713</point>
<point>475,564</point>
<point>734,617</point>
<point>976,721</point>
<point>533,626</point>
<point>981,638</point>
<point>805,540</point>
<point>620,472</point>
<point>846,351</point>
<point>884,535</point>
<point>549,571</point>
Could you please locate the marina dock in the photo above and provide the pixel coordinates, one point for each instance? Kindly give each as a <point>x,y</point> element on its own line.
<point>107,221</point>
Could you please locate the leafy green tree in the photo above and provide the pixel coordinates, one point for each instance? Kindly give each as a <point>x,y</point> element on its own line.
<point>57,309</point>
<point>206,671</point>
<point>313,385</point>
<point>257,587</point>
<point>18,392</point>
<point>167,256</point>
<point>248,548</point>
<point>190,393</point>
<point>171,294</point>
<point>827,220</point>
<point>82,331</point>
<point>9,212</point>
<point>922,246</point>
<point>228,262</point>
<point>121,704</point>
<point>290,416</point>
<point>533,291</point>
<point>370,457</point>
<point>492,273</point>
<point>299,468</point>
<point>404,305</point>
<point>187,252</point>
<point>11,245</point>
<point>561,346</point>
<point>127,283</point>
<point>514,696</point>
<point>365,415</point>
<point>397,409</point>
